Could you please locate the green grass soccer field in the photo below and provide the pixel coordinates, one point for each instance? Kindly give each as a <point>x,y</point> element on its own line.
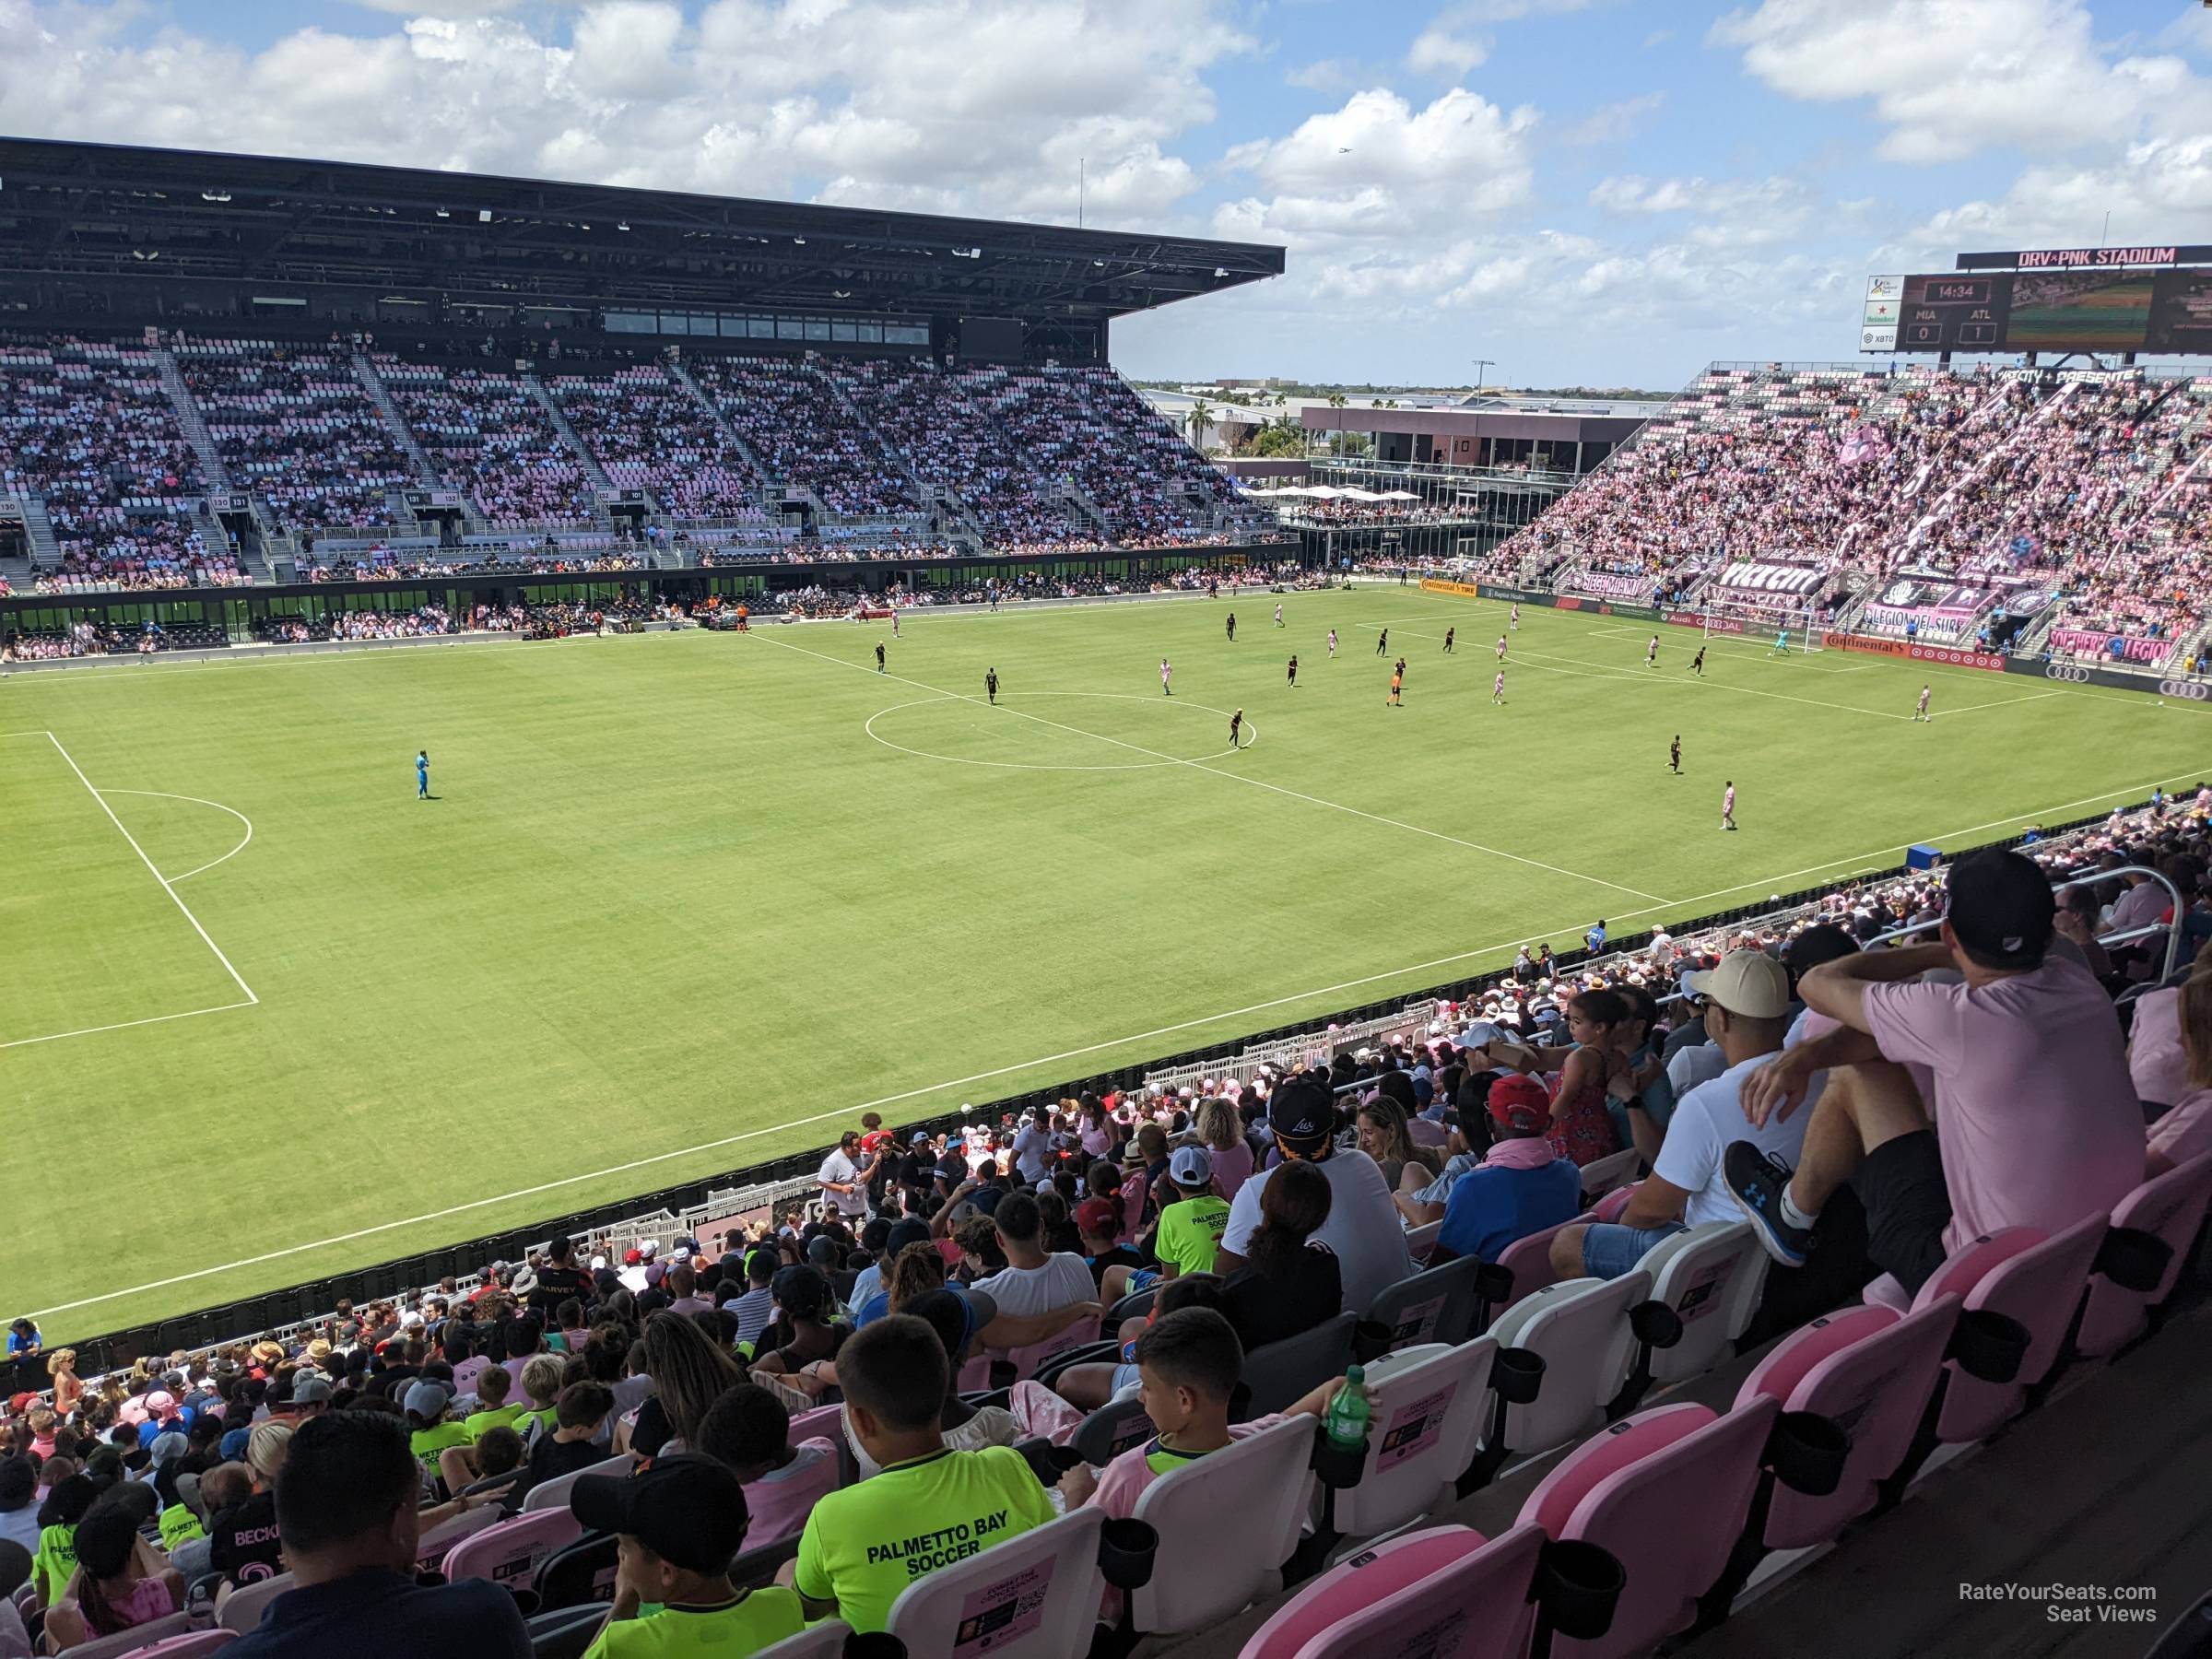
<point>683,901</point>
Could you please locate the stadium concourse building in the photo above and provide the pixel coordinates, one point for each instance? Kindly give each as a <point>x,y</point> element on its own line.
<point>105,243</point>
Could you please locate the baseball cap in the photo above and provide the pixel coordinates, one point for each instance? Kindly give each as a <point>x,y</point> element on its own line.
<point>1099,1217</point>
<point>1190,1167</point>
<point>911,1229</point>
<point>311,1388</point>
<point>1521,1103</point>
<point>1750,983</point>
<point>921,1138</point>
<point>168,1446</point>
<point>688,1511</point>
<point>2001,909</point>
<point>425,1399</point>
<point>1302,1113</point>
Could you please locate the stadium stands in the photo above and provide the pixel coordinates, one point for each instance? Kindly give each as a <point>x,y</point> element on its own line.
<point>1588,1398</point>
<point>89,430</point>
<point>486,434</point>
<point>1920,503</point>
<point>118,448</point>
<point>294,425</point>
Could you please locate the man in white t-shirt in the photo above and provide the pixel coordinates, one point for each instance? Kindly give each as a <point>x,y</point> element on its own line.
<point>1363,1228</point>
<point>845,1180</point>
<point>1033,1146</point>
<point>1747,1001</point>
<point>1032,1282</point>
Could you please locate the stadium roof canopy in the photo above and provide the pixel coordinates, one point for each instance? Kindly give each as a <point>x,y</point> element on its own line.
<point>100,213</point>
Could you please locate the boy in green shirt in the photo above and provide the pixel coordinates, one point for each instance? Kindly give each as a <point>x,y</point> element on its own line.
<point>679,1526</point>
<point>1192,1221</point>
<point>930,1507</point>
<point>493,1409</point>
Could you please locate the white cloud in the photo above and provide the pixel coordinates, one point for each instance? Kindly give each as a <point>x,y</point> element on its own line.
<point>1328,74</point>
<point>1452,43</point>
<point>982,106</point>
<point>2155,192</point>
<point>1613,123</point>
<point>1948,78</point>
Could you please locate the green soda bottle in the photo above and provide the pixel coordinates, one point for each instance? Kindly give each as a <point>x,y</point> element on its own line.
<point>1345,1425</point>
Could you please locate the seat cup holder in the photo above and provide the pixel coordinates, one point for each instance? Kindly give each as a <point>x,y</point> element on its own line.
<point>1126,1549</point>
<point>1578,1585</point>
<point>1989,1347</point>
<point>1808,1453</point>
<point>1516,1374</point>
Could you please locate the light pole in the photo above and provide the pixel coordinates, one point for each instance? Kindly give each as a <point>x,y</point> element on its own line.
<point>1480,365</point>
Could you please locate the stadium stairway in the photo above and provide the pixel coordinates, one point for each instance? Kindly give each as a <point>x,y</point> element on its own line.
<point>697,394</point>
<point>582,451</point>
<point>889,451</point>
<point>190,419</point>
<point>38,530</point>
<point>2105,1485</point>
<point>426,475</point>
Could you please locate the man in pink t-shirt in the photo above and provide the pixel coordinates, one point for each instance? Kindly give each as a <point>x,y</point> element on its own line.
<point>2038,1117</point>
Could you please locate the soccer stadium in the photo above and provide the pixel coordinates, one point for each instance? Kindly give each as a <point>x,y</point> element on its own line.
<point>1507,1025</point>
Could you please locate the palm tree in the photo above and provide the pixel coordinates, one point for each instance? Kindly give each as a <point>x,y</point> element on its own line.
<point>1196,421</point>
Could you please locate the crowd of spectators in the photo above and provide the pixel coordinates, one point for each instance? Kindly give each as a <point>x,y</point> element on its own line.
<point>802,432</point>
<point>648,432</point>
<point>2081,487</point>
<point>1785,1068</point>
<point>487,435</point>
<point>293,426</point>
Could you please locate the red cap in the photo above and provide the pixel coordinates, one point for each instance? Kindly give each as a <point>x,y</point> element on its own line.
<point>1099,1217</point>
<point>1521,1102</point>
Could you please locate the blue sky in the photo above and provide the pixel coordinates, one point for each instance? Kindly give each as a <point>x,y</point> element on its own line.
<point>1597,191</point>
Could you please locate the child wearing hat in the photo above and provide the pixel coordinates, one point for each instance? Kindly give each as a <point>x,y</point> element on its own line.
<point>680,1524</point>
<point>1188,1231</point>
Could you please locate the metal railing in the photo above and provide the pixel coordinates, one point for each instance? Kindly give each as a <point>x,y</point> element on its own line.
<point>2124,935</point>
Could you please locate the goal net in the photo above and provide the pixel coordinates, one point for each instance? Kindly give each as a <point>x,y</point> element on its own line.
<point>1760,624</point>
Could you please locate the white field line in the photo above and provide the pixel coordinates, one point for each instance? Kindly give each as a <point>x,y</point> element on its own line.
<point>123,1025</point>
<point>1998,703</point>
<point>162,794</point>
<point>1236,776</point>
<point>182,908</point>
<point>850,1113</point>
<point>1180,1027</point>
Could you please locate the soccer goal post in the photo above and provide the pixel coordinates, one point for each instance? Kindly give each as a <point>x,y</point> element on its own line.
<point>1764,624</point>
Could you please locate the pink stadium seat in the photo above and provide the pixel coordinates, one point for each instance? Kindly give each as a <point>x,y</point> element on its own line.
<point>143,1638</point>
<point>1035,1596</point>
<point>1712,1276</point>
<point>1529,1261</point>
<point>432,1547</point>
<point>2169,1209</point>
<point>779,1509</point>
<point>1602,1176</point>
<point>2021,1274</point>
<point>1429,1407</point>
<point>1026,1361</point>
<point>192,1645</point>
<point>1445,1592</point>
<point>242,1610</point>
<point>1227,1524</point>
<point>1580,1329</point>
<point>510,1552</point>
<point>975,1375</point>
<point>554,1493</point>
<point>1667,1492</point>
<point>1421,1241</point>
<point>1869,1370</point>
<point>1608,1207</point>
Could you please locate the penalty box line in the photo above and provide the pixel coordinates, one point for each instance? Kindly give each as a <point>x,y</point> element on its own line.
<point>1294,794</point>
<point>247,998</point>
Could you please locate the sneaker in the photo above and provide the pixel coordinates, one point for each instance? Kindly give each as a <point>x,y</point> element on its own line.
<point>1757,1180</point>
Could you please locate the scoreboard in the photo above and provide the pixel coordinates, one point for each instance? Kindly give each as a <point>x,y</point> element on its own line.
<point>2085,306</point>
<point>1953,313</point>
